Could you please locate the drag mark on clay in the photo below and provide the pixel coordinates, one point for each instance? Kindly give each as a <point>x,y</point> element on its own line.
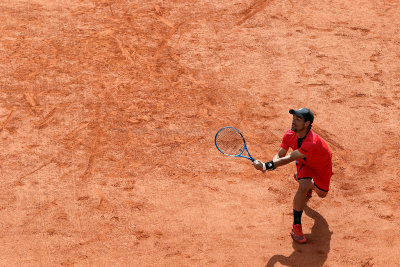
<point>172,31</point>
<point>174,28</point>
<point>76,130</point>
<point>158,14</point>
<point>33,105</point>
<point>251,11</point>
<point>110,6</point>
<point>19,180</point>
<point>46,119</point>
<point>38,212</point>
<point>6,120</point>
<point>99,237</point>
<point>90,166</point>
<point>49,117</point>
<point>164,42</point>
<point>29,97</point>
<point>126,54</point>
<point>161,18</point>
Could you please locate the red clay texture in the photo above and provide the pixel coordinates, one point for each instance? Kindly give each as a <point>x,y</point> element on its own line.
<point>108,111</point>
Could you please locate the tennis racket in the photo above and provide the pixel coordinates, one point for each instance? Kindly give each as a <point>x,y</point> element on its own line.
<point>229,141</point>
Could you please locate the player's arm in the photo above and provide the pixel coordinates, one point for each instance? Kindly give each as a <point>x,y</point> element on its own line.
<point>281,153</point>
<point>295,155</point>
<point>278,160</point>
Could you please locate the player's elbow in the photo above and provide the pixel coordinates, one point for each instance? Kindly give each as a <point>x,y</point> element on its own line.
<point>277,156</point>
<point>293,157</point>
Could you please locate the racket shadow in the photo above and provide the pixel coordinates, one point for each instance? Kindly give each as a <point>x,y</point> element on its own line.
<point>315,251</point>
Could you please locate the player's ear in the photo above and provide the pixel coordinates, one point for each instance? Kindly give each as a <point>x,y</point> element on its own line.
<point>307,123</point>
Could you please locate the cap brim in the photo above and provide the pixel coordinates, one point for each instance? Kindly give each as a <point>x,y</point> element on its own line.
<point>292,111</point>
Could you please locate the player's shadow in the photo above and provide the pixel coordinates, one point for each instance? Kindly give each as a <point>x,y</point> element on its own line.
<point>315,251</point>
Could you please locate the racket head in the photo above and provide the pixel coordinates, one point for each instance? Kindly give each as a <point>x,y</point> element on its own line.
<point>230,141</point>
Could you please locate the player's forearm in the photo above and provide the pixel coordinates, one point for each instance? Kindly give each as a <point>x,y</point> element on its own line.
<point>276,161</point>
<point>282,161</point>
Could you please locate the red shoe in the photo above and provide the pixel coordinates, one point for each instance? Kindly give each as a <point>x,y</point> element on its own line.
<point>297,234</point>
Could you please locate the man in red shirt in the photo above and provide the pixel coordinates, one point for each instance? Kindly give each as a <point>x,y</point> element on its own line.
<point>313,160</point>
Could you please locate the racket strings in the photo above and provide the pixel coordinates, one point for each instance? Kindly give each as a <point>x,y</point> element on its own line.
<point>230,142</point>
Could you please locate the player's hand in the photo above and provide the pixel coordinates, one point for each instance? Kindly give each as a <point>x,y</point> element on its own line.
<point>259,165</point>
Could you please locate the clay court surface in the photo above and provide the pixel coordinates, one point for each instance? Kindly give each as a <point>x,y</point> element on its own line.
<point>108,111</point>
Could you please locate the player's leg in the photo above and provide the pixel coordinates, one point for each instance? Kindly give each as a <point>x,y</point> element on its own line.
<point>322,181</point>
<point>305,185</point>
<point>309,193</point>
<point>320,192</point>
<point>299,202</point>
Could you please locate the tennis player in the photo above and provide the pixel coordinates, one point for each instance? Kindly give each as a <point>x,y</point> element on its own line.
<point>313,160</point>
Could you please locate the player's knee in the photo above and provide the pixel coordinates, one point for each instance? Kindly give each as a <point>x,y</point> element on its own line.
<point>322,194</point>
<point>305,185</point>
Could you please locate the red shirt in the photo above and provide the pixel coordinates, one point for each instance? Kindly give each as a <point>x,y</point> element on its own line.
<point>318,156</point>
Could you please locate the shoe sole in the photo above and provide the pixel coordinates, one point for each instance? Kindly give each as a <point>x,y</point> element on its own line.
<point>298,241</point>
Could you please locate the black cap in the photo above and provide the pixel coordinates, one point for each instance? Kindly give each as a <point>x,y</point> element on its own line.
<point>303,113</point>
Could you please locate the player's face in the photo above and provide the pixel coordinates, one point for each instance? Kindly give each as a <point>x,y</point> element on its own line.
<point>297,123</point>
